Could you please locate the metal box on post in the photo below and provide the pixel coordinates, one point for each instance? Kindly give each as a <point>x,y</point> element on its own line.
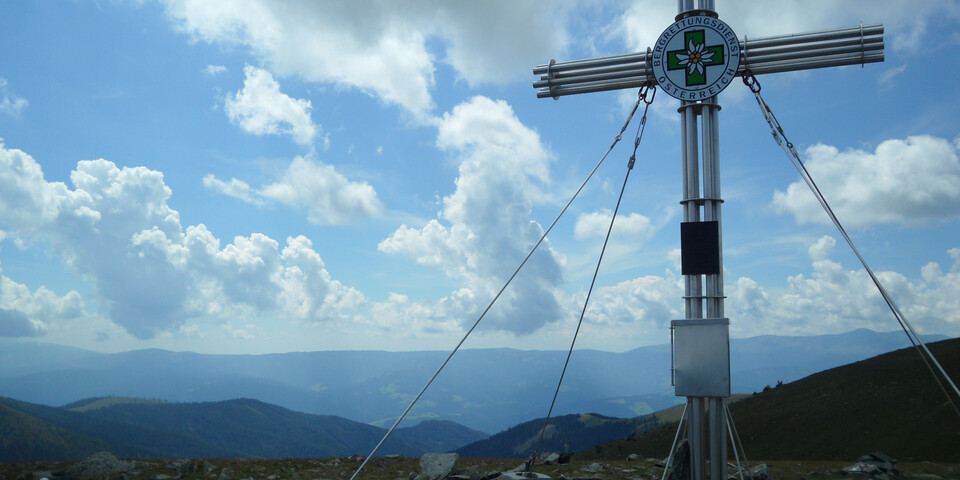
<point>701,357</point>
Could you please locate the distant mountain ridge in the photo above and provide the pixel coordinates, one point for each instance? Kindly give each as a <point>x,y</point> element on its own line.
<point>887,403</point>
<point>241,428</point>
<point>568,433</point>
<point>486,389</point>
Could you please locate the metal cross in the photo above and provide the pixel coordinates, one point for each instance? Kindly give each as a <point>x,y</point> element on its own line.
<point>693,60</point>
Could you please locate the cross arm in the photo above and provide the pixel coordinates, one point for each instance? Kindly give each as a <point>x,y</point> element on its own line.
<point>828,48</point>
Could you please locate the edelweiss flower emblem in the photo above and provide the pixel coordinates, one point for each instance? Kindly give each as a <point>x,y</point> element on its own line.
<point>694,58</point>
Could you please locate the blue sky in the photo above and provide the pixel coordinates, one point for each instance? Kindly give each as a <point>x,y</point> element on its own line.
<point>255,176</point>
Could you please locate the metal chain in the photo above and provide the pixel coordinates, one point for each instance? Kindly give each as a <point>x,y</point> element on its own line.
<point>641,97</point>
<point>781,138</point>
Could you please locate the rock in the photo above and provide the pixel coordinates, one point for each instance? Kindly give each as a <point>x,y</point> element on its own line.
<point>634,457</point>
<point>523,476</point>
<point>926,476</point>
<point>593,468</point>
<point>878,457</point>
<point>550,459</point>
<point>99,464</point>
<point>185,466</point>
<point>436,466</point>
<point>876,466</point>
<point>471,473</point>
<point>35,475</point>
<point>759,472</point>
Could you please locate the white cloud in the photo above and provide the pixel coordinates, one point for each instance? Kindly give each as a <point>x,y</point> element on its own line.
<point>213,70</point>
<point>246,332</point>
<point>886,78</point>
<point>10,104</point>
<point>261,108</point>
<point>833,299</point>
<point>25,312</point>
<point>381,47</point>
<point>822,248</point>
<point>328,197</point>
<point>151,275</point>
<point>484,229</point>
<point>905,23</point>
<point>646,303</point>
<point>234,188</point>
<point>596,224</point>
<point>907,182</point>
<point>501,40</point>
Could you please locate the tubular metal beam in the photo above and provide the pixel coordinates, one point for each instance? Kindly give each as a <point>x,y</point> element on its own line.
<point>785,53</point>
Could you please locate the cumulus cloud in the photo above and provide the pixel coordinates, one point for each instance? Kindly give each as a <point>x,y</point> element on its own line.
<point>595,224</point>
<point>28,313</point>
<point>10,104</point>
<point>261,108</point>
<point>381,47</point>
<point>213,70</point>
<point>647,303</point>
<point>328,197</point>
<point>836,299</point>
<point>116,229</point>
<point>905,182</point>
<point>484,229</point>
<point>905,24</point>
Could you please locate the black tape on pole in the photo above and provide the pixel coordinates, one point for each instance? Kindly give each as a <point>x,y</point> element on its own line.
<point>700,248</point>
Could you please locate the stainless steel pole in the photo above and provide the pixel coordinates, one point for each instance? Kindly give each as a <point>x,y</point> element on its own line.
<point>701,150</point>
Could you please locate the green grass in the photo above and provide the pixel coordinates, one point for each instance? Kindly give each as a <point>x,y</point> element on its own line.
<point>888,403</point>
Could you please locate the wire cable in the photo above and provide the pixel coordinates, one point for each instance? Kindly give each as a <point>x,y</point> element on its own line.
<point>642,96</point>
<point>676,440</point>
<point>781,139</point>
<point>500,292</point>
<point>737,444</point>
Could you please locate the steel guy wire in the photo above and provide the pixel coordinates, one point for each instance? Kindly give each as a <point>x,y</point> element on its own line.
<point>502,289</point>
<point>780,137</point>
<point>737,444</point>
<point>676,440</point>
<point>641,96</point>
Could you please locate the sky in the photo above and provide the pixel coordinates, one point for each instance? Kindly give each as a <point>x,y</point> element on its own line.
<point>227,176</point>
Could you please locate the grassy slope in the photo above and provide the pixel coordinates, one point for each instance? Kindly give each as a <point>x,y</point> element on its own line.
<point>23,437</point>
<point>888,403</point>
<point>567,433</point>
<point>239,428</point>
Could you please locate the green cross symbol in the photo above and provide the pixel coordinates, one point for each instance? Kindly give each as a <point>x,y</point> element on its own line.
<point>695,58</point>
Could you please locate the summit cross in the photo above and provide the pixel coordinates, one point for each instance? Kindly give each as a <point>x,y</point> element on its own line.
<point>693,60</point>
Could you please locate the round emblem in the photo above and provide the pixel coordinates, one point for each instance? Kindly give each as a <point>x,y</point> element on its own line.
<point>696,58</point>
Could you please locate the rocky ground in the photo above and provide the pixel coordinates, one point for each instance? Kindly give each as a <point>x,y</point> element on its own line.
<point>106,467</point>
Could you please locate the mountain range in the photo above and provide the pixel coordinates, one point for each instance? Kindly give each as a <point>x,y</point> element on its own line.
<point>487,390</point>
<point>888,403</point>
<point>240,428</point>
